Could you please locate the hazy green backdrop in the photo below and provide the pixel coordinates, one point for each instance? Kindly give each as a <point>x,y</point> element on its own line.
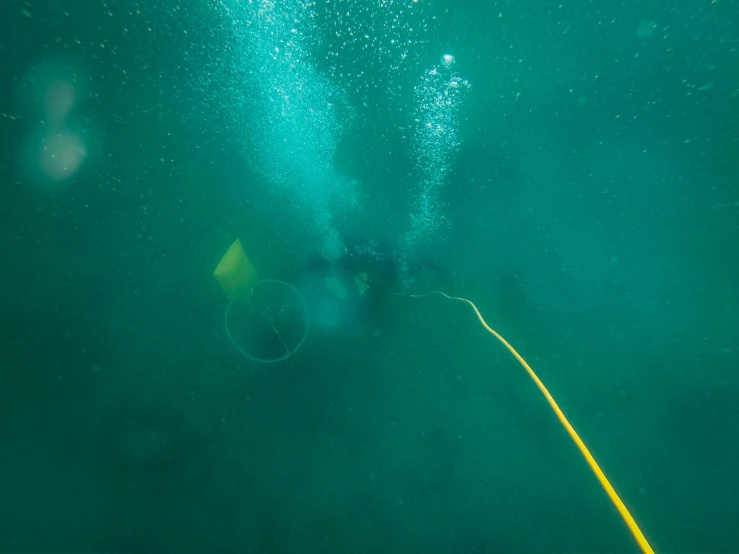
<point>593,217</point>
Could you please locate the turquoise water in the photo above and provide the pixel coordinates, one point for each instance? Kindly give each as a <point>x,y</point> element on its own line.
<point>574,167</point>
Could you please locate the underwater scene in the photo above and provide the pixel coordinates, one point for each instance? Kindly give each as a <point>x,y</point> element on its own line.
<point>369,276</point>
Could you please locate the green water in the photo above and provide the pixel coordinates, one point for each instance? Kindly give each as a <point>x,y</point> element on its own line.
<point>593,216</point>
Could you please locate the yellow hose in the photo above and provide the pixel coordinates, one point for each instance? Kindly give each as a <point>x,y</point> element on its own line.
<point>610,491</point>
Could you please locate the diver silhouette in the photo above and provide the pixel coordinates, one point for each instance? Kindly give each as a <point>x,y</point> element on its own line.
<point>357,287</point>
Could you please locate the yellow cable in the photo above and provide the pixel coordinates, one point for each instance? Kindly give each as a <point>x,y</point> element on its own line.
<point>610,491</point>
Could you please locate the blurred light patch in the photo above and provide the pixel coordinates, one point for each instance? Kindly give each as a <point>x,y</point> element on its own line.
<point>61,155</point>
<point>51,89</point>
<point>50,158</point>
<point>54,149</point>
<point>59,99</point>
